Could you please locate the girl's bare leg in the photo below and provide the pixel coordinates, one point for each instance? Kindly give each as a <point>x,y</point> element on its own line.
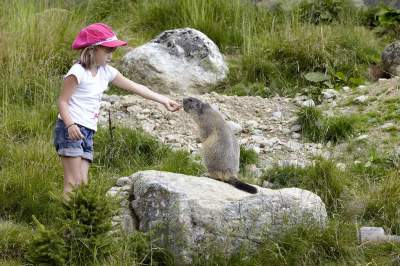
<point>72,173</point>
<point>84,171</point>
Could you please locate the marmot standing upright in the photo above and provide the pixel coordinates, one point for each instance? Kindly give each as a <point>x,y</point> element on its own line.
<point>221,150</point>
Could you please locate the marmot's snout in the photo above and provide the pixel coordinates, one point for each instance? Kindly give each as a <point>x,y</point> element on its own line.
<point>191,103</point>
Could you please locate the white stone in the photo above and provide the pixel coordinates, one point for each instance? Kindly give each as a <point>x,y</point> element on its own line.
<point>362,137</point>
<point>200,211</point>
<point>330,94</point>
<point>235,127</point>
<point>308,103</point>
<point>178,60</point>
<point>361,99</point>
<point>295,128</point>
<point>277,115</point>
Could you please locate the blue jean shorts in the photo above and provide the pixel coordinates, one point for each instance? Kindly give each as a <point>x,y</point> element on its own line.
<point>73,148</point>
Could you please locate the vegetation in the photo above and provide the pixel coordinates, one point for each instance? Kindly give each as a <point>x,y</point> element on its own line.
<point>277,51</point>
<point>317,128</point>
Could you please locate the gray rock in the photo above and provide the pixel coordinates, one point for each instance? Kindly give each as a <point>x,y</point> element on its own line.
<point>308,103</point>
<point>330,94</point>
<point>361,99</point>
<point>391,58</point>
<point>191,213</point>
<point>179,60</point>
<point>235,127</point>
<point>295,128</point>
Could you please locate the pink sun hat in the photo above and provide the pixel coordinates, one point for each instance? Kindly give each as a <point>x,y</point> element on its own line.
<point>97,34</point>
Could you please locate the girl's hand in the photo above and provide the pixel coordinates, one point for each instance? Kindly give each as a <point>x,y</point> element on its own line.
<point>171,105</point>
<point>74,132</point>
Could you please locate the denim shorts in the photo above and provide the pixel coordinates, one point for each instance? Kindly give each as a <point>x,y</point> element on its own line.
<point>73,148</point>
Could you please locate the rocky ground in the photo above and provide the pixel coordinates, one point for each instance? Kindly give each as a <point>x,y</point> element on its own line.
<point>267,125</point>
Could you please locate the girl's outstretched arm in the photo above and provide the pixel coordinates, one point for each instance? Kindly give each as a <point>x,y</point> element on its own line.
<point>127,84</point>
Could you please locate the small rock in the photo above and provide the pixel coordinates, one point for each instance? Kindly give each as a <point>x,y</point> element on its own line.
<point>362,137</point>
<point>387,125</point>
<point>235,127</point>
<point>308,103</point>
<point>293,145</point>
<point>341,166</point>
<point>251,124</point>
<point>277,115</point>
<point>330,94</point>
<point>346,88</point>
<point>123,181</point>
<point>267,184</point>
<point>295,128</point>
<point>361,99</point>
<point>361,87</point>
<point>295,135</point>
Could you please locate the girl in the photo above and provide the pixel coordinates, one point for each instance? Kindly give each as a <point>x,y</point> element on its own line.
<point>80,97</point>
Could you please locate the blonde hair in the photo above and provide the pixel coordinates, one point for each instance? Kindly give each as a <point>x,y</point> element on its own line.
<point>87,59</point>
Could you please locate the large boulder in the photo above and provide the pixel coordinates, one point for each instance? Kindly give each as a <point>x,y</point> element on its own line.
<point>391,58</point>
<point>190,213</point>
<point>179,60</point>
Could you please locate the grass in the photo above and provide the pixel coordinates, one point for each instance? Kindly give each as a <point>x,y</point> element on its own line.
<point>317,128</point>
<point>268,53</point>
<point>322,178</point>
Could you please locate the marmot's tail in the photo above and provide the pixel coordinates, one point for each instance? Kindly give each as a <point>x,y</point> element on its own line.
<point>241,185</point>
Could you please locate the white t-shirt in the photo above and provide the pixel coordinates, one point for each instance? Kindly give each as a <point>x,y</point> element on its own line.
<point>84,104</point>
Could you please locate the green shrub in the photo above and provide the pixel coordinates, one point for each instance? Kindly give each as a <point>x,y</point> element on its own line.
<point>47,247</point>
<point>86,224</point>
<point>325,11</point>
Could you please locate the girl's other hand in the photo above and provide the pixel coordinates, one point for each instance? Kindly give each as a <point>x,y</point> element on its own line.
<point>172,105</point>
<point>74,132</point>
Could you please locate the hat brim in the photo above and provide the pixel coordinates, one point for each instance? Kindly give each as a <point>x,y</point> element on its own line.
<point>114,44</point>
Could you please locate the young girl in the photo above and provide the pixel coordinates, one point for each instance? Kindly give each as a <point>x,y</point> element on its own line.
<point>80,97</point>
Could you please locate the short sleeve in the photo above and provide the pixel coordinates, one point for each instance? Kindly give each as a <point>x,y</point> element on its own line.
<point>111,72</point>
<point>78,71</point>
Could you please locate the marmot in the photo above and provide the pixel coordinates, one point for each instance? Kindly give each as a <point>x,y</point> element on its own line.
<point>221,151</point>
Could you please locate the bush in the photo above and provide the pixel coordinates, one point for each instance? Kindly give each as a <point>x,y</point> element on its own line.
<point>86,224</point>
<point>325,11</point>
<point>47,247</point>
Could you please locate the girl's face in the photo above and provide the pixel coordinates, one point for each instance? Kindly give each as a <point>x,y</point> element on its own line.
<point>103,55</point>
